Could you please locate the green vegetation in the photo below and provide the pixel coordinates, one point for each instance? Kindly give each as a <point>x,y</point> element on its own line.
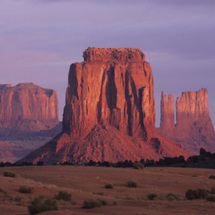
<point>93,203</point>
<point>9,174</point>
<point>152,196</point>
<point>63,195</point>
<point>25,189</point>
<point>172,197</point>
<point>132,184</point>
<point>212,177</point>
<point>99,193</point>
<point>2,191</point>
<point>108,186</point>
<point>138,165</point>
<point>200,193</point>
<point>212,190</point>
<point>211,198</point>
<point>41,204</point>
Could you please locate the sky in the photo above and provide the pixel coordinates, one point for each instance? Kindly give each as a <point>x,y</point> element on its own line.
<point>39,39</point>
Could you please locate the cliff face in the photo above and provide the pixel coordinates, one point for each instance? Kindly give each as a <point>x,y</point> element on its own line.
<point>112,87</point>
<point>193,127</point>
<point>28,107</point>
<point>167,113</point>
<point>109,113</point>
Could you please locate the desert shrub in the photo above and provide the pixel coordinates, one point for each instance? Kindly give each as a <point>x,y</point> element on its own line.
<point>102,201</point>
<point>114,203</point>
<point>152,196</point>
<point>3,191</point>
<point>212,190</point>
<point>138,165</point>
<point>25,189</point>
<point>200,193</point>
<point>93,203</point>
<point>172,197</point>
<point>42,203</point>
<point>132,184</point>
<point>211,197</point>
<point>212,177</point>
<point>9,174</point>
<point>63,195</point>
<point>108,186</point>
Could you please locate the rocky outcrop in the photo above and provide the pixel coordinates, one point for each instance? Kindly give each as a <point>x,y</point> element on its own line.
<point>193,128</point>
<point>167,123</point>
<point>109,113</point>
<point>28,107</point>
<point>112,87</point>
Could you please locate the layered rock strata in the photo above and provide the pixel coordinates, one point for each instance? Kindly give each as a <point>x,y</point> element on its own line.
<point>109,113</point>
<point>28,107</point>
<point>193,128</point>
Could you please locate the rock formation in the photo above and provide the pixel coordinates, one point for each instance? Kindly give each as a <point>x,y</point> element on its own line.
<point>193,128</point>
<point>28,107</point>
<point>109,113</point>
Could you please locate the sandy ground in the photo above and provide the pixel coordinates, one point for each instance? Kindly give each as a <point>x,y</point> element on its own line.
<point>88,182</point>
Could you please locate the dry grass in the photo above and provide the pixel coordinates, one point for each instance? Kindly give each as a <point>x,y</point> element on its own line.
<point>86,182</point>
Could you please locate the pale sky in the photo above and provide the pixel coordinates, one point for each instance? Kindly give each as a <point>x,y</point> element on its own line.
<point>39,39</point>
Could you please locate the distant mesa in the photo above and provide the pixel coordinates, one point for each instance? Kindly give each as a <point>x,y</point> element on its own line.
<point>29,107</point>
<point>109,113</point>
<point>193,128</point>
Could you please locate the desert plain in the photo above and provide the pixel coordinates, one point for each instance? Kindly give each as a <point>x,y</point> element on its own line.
<point>85,182</point>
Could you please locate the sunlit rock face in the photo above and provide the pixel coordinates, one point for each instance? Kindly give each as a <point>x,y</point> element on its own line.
<point>193,128</point>
<point>28,107</point>
<point>109,113</point>
<point>111,87</point>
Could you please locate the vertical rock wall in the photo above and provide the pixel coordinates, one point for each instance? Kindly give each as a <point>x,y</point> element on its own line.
<point>193,127</point>
<point>112,86</point>
<point>28,107</point>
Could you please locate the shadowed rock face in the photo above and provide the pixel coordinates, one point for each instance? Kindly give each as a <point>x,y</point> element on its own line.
<point>109,113</point>
<point>28,107</point>
<point>193,129</point>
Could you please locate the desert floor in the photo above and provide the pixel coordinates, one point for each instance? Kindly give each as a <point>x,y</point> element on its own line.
<point>88,182</point>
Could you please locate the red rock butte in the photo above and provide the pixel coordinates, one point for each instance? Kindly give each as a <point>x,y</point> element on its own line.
<point>109,113</point>
<point>193,128</point>
<point>27,106</point>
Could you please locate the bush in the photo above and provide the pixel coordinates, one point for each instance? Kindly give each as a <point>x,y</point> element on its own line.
<point>41,204</point>
<point>172,197</point>
<point>132,184</point>
<point>108,186</point>
<point>9,174</point>
<point>2,191</point>
<point>138,165</point>
<point>200,193</point>
<point>25,189</point>
<point>100,193</point>
<point>152,196</point>
<point>211,198</point>
<point>63,195</point>
<point>212,190</point>
<point>212,177</point>
<point>93,203</point>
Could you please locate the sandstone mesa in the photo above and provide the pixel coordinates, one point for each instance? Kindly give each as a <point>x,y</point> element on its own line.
<point>27,106</point>
<point>109,113</point>
<point>193,128</point>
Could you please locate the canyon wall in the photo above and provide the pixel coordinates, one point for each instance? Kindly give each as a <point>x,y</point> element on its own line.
<point>109,113</point>
<point>28,107</point>
<point>193,128</point>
